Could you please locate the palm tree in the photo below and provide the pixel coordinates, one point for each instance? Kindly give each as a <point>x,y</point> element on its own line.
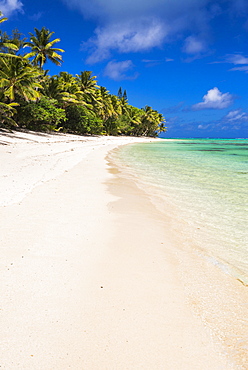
<point>123,105</point>
<point>8,47</point>
<point>87,82</point>
<point>133,116</point>
<point>109,109</point>
<point>18,79</point>
<point>104,108</point>
<point>42,48</point>
<point>70,86</point>
<point>2,19</point>
<point>6,113</point>
<point>65,89</point>
<point>52,88</point>
<point>88,85</point>
<point>6,44</point>
<point>152,122</point>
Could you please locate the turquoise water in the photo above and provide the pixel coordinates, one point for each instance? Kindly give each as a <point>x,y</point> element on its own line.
<point>201,185</point>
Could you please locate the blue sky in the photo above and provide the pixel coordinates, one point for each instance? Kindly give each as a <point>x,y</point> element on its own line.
<point>188,59</point>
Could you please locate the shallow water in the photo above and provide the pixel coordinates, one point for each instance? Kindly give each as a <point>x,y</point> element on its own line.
<point>201,184</point>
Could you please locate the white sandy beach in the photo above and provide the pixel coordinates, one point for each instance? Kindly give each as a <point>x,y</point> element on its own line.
<point>90,278</point>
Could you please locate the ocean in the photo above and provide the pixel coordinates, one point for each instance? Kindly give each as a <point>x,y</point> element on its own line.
<point>201,186</point>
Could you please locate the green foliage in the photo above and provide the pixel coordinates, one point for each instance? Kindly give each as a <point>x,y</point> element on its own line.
<point>123,125</point>
<point>32,99</point>
<point>19,79</point>
<point>7,111</point>
<point>41,48</point>
<point>11,44</point>
<point>42,115</point>
<point>82,121</point>
<point>119,93</point>
<point>125,95</point>
<point>2,19</point>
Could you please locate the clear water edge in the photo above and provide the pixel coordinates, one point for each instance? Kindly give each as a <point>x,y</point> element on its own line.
<point>201,185</point>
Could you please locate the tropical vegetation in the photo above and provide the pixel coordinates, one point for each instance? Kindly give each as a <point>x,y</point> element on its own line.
<point>32,99</point>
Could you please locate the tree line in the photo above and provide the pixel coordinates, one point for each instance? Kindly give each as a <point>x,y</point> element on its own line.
<point>31,99</point>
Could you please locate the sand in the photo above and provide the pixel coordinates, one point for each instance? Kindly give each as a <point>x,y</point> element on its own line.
<point>90,275</point>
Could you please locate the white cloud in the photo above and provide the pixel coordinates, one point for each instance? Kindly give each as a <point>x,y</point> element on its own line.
<point>124,9</point>
<point>242,69</point>
<point>139,25</point>
<point>198,12</point>
<point>157,60</point>
<point>194,45</point>
<point>8,7</point>
<point>126,37</point>
<point>239,60</point>
<point>236,59</point>
<point>236,115</point>
<point>118,70</point>
<point>234,120</point>
<point>204,127</point>
<point>214,99</point>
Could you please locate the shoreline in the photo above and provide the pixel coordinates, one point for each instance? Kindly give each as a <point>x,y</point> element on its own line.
<point>48,155</point>
<point>216,296</point>
<point>91,277</point>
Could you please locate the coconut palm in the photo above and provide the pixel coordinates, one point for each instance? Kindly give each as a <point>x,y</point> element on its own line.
<point>70,86</point>
<point>7,45</point>
<point>64,88</point>
<point>52,88</point>
<point>42,48</point>
<point>133,117</point>
<point>108,110</point>
<point>87,82</point>
<point>124,105</point>
<point>116,106</point>
<point>151,122</point>
<point>2,18</point>
<point>104,108</point>
<point>18,79</point>
<point>88,85</point>
<point>6,113</point>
